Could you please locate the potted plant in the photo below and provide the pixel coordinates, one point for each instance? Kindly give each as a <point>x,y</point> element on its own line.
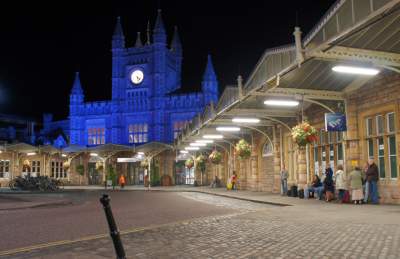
<point>304,134</point>
<point>189,163</point>
<point>111,177</point>
<point>215,157</point>
<point>243,149</point>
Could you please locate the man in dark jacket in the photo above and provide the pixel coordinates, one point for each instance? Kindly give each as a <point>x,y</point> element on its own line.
<point>372,175</point>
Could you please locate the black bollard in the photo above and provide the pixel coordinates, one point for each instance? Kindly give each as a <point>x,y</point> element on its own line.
<point>114,233</point>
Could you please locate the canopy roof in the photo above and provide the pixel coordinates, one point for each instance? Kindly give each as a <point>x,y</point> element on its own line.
<point>357,33</point>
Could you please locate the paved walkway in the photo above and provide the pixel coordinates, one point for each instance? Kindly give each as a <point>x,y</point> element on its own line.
<point>308,229</point>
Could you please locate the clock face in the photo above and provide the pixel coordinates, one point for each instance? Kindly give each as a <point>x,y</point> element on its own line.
<point>137,77</point>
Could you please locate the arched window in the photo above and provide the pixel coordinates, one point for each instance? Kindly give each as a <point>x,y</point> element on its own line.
<point>267,149</point>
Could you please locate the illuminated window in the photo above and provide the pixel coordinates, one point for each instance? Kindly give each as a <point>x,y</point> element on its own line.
<point>178,127</point>
<point>96,136</point>
<point>4,168</point>
<point>268,149</point>
<point>382,145</point>
<point>138,133</point>
<point>57,170</point>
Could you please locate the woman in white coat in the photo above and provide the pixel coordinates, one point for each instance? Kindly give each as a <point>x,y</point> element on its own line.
<point>341,182</point>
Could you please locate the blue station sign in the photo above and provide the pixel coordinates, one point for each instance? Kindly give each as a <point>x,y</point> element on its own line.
<point>335,122</point>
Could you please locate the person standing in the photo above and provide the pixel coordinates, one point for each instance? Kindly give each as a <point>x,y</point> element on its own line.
<point>329,187</point>
<point>365,183</point>
<point>234,181</point>
<point>341,182</point>
<point>284,178</point>
<point>122,181</point>
<point>356,185</point>
<point>372,179</point>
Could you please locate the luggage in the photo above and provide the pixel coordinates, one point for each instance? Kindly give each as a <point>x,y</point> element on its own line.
<point>289,193</point>
<point>229,186</point>
<point>346,197</point>
<point>301,194</point>
<point>293,191</point>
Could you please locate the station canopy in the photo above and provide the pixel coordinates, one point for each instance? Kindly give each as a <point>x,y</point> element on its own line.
<point>355,34</point>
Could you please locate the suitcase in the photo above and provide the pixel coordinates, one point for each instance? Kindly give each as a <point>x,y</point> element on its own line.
<point>301,194</point>
<point>293,191</point>
<point>346,197</point>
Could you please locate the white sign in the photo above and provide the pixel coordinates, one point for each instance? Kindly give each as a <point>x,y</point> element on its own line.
<point>127,159</point>
<point>323,154</point>
<point>381,147</point>
<point>331,152</point>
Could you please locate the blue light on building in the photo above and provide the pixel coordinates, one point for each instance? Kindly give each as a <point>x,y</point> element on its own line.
<point>146,104</point>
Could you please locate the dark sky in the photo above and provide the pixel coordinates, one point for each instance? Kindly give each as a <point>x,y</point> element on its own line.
<point>41,45</point>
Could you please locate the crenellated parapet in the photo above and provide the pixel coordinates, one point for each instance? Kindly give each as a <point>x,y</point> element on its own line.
<point>185,101</point>
<point>97,108</point>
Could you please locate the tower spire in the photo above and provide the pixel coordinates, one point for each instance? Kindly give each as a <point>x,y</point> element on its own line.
<point>209,73</point>
<point>159,35</point>
<point>148,33</point>
<point>118,39</point>
<point>77,87</point>
<point>159,25</point>
<point>176,41</point>
<point>209,85</point>
<point>138,43</point>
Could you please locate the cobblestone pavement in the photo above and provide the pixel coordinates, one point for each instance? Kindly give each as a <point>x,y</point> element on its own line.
<point>256,231</point>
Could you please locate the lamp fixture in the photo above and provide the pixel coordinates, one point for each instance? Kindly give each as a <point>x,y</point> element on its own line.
<point>289,103</point>
<point>230,129</point>
<point>64,155</point>
<point>208,141</point>
<point>356,70</point>
<point>195,144</point>
<point>94,154</point>
<point>192,148</point>
<point>140,153</point>
<point>211,136</point>
<point>31,153</point>
<point>183,151</point>
<point>245,120</point>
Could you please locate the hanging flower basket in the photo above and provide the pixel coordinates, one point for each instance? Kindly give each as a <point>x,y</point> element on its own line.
<point>144,164</point>
<point>215,157</point>
<point>201,162</point>
<point>243,149</point>
<point>304,134</point>
<point>189,163</point>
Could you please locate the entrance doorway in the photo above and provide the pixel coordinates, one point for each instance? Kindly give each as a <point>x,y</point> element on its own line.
<point>135,174</point>
<point>93,175</point>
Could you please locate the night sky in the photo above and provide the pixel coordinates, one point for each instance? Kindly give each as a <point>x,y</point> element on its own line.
<point>42,45</point>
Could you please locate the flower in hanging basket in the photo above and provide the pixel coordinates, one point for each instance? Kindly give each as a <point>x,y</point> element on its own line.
<point>201,162</point>
<point>189,163</point>
<point>144,164</point>
<point>215,157</point>
<point>304,134</point>
<point>243,149</point>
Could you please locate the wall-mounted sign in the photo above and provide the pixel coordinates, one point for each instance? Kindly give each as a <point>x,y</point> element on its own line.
<point>335,122</point>
<point>127,159</point>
